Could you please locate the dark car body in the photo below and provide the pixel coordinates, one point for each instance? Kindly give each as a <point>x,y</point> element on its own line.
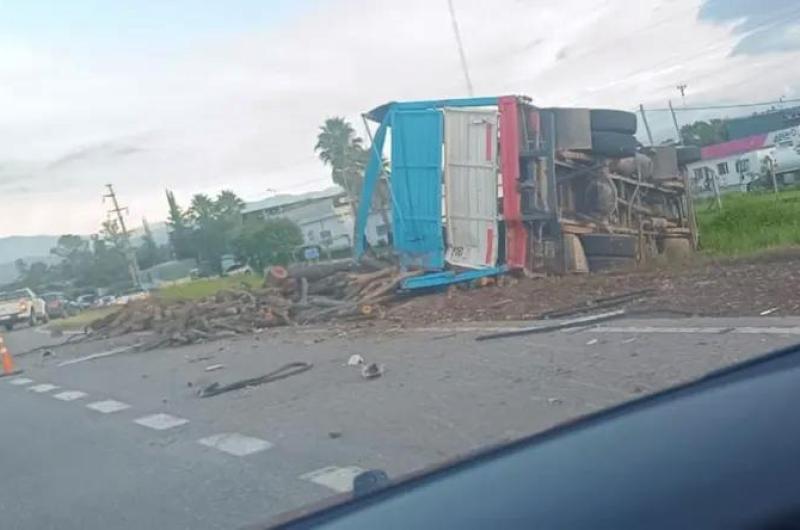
<point>721,452</point>
<point>56,304</point>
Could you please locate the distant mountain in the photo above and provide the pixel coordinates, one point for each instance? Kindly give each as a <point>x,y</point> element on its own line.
<point>159,230</point>
<point>14,247</point>
<point>37,248</point>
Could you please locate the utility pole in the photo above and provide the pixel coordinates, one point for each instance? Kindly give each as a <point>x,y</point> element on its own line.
<point>682,89</point>
<point>675,122</point>
<point>127,249</point>
<point>646,125</point>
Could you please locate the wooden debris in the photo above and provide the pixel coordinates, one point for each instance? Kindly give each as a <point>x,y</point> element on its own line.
<point>297,295</point>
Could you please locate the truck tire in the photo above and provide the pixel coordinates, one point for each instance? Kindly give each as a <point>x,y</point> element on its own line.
<point>609,245</point>
<point>618,121</point>
<point>688,154</point>
<point>613,144</point>
<point>9,326</point>
<point>609,263</point>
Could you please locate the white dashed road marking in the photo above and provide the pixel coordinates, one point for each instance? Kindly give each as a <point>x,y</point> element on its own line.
<point>19,381</point>
<point>108,406</point>
<point>70,395</point>
<point>160,421</point>
<point>336,478</point>
<point>235,444</point>
<point>41,389</point>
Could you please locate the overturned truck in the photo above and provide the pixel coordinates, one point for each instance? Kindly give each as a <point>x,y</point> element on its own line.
<point>481,186</point>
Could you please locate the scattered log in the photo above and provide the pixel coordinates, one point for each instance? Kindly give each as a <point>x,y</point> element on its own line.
<point>317,271</point>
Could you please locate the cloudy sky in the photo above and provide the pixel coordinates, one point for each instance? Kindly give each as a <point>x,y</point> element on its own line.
<point>199,96</point>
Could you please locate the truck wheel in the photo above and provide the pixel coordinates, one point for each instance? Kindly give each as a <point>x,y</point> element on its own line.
<point>33,320</point>
<point>9,326</point>
<point>613,144</point>
<point>609,245</point>
<point>618,121</point>
<point>608,263</point>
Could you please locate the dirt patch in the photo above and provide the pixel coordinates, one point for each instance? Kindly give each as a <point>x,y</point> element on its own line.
<point>729,287</point>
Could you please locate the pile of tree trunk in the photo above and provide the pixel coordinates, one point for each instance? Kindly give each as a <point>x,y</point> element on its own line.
<point>302,294</point>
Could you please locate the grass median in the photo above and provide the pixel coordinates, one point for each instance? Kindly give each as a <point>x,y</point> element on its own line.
<point>82,319</point>
<point>749,222</point>
<point>196,289</point>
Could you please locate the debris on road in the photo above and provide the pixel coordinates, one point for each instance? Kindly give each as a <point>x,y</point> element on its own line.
<point>287,370</point>
<point>372,371</point>
<point>576,322</point>
<point>299,295</point>
<point>768,311</point>
<point>592,342</point>
<point>214,367</point>
<point>355,360</point>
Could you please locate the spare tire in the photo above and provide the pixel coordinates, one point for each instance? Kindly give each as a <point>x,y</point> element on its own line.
<point>688,154</point>
<point>613,121</point>
<point>609,245</point>
<point>613,144</point>
<point>606,263</point>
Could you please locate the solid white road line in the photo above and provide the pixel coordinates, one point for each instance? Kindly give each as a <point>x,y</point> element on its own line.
<point>70,395</point>
<point>160,422</point>
<point>19,381</point>
<point>336,478</point>
<point>235,444</point>
<point>108,406</point>
<point>748,330</point>
<point>41,389</point>
<point>655,329</point>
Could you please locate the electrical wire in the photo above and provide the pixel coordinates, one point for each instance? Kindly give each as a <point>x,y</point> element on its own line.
<point>461,54</point>
<point>728,106</point>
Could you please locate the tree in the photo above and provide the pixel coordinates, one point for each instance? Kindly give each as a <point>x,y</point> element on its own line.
<point>112,233</point>
<point>69,245</point>
<point>214,223</point>
<point>229,205</point>
<point>339,147</point>
<point>180,239</point>
<point>148,253</point>
<point>21,267</point>
<point>267,242</point>
<point>703,133</point>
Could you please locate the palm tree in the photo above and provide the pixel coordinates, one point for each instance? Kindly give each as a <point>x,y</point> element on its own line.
<point>203,209</point>
<point>229,204</point>
<point>338,146</point>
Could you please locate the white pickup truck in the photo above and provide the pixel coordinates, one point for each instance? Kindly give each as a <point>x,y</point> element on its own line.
<point>21,305</point>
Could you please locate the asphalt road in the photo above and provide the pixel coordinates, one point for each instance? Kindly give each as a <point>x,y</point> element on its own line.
<point>123,441</point>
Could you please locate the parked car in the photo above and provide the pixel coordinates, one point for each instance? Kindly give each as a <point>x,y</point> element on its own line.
<point>131,296</point>
<point>21,305</point>
<point>56,305</point>
<point>85,301</point>
<point>105,301</point>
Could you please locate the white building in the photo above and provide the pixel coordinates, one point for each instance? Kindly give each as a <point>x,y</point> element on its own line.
<point>325,217</point>
<point>737,163</point>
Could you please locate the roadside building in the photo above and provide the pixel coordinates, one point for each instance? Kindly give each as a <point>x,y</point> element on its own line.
<point>742,163</point>
<point>325,218</point>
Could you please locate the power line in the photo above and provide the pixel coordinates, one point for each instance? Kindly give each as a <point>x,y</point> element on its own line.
<point>460,45</point>
<point>729,106</point>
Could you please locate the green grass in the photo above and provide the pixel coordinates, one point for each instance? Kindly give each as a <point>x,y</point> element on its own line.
<point>82,319</point>
<point>749,223</point>
<point>203,287</point>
